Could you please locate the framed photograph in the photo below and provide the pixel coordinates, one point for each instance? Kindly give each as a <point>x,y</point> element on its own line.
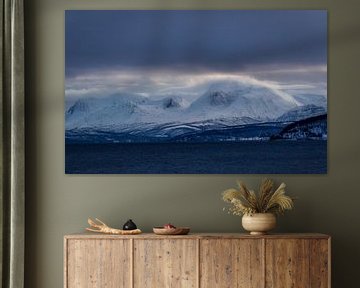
<point>219,91</point>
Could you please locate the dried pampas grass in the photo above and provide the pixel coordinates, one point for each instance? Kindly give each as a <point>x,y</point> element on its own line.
<point>267,200</point>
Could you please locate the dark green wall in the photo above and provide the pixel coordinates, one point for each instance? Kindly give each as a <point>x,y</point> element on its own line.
<point>58,204</point>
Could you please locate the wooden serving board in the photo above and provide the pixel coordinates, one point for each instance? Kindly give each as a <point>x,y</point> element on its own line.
<point>171,231</point>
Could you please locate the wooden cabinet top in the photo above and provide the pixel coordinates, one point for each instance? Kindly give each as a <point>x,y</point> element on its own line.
<point>200,236</point>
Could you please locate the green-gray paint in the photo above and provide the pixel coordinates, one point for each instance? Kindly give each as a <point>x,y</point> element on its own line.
<point>58,204</point>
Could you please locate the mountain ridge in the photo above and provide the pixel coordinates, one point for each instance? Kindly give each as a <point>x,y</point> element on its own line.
<point>222,106</point>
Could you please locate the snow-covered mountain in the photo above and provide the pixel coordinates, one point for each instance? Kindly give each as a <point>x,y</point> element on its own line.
<point>223,105</point>
<point>222,100</point>
<point>314,128</point>
<point>301,112</point>
<point>231,99</point>
<point>312,99</point>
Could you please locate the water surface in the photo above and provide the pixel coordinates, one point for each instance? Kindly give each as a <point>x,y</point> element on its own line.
<point>250,157</point>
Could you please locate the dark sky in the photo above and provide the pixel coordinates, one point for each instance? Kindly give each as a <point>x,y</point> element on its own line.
<point>193,40</point>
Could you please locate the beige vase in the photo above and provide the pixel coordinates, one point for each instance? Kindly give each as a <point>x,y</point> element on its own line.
<point>259,223</point>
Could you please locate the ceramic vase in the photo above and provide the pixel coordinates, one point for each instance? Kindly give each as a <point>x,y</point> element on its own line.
<point>259,223</point>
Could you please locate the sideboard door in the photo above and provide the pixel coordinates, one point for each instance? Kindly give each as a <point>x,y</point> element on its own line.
<point>231,263</point>
<point>98,263</point>
<point>320,263</point>
<point>170,263</point>
<point>287,263</point>
<point>297,263</point>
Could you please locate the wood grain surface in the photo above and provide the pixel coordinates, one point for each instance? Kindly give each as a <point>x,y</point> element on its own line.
<point>197,260</point>
<point>287,263</point>
<point>231,263</point>
<point>88,235</point>
<point>319,263</point>
<point>165,263</point>
<point>98,263</point>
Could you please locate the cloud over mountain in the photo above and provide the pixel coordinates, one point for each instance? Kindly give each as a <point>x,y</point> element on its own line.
<point>235,102</point>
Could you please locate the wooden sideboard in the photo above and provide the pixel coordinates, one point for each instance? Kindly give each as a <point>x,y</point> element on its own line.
<point>197,260</point>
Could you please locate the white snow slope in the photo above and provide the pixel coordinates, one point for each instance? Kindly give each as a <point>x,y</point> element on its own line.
<point>224,103</point>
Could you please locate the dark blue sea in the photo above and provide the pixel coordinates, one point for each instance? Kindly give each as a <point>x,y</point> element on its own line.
<point>251,157</point>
